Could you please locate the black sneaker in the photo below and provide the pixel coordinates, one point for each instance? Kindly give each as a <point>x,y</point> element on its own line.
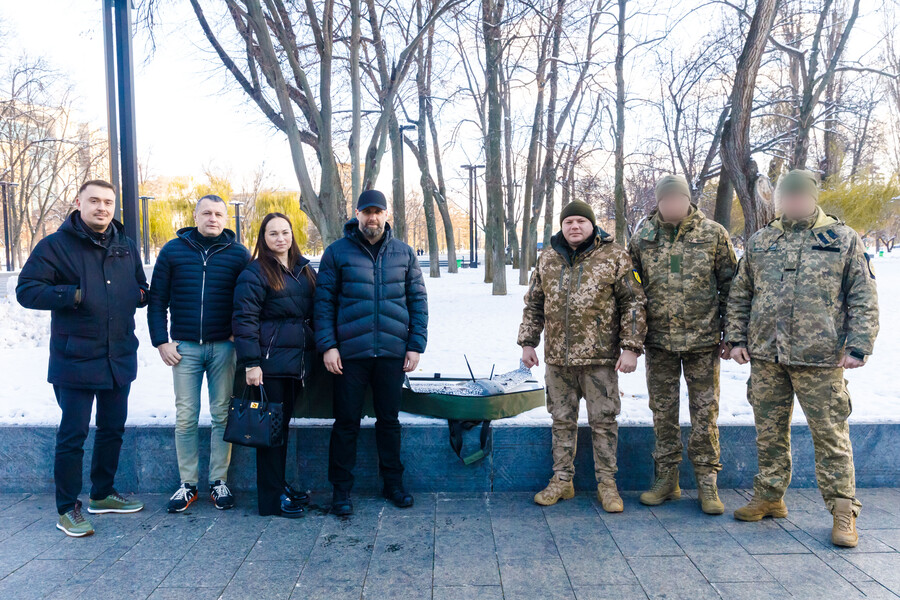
<point>291,508</point>
<point>221,495</point>
<point>400,497</point>
<point>341,505</point>
<point>299,497</point>
<point>182,498</point>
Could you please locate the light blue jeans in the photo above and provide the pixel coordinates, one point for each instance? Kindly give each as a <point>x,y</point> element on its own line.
<point>216,359</point>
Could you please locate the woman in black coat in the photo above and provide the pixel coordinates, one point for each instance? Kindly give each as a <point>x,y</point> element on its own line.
<point>273,340</point>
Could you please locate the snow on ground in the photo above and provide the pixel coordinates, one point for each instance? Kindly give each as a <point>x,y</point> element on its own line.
<point>465,319</point>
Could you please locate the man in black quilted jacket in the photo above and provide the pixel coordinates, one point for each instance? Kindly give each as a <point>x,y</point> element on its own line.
<point>371,320</point>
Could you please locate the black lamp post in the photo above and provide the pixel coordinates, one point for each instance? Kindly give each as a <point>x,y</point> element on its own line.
<point>237,204</point>
<point>473,232</point>
<point>7,238</point>
<point>145,211</point>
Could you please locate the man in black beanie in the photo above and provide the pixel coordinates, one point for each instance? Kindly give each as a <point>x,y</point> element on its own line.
<point>371,320</point>
<point>585,299</point>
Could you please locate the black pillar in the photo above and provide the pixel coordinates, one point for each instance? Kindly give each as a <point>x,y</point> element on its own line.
<point>120,101</point>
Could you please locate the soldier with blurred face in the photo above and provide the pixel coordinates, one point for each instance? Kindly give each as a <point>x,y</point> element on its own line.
<point>803,307</point>
<point>686,263</point>
<point>586,299</point>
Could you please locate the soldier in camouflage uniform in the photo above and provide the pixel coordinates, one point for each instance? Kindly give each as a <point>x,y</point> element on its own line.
<point>803,307</point>
<point>585,297</point>
<point>686,263</point>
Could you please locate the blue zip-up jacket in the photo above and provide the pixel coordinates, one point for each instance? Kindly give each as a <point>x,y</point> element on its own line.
<point>369,306</point>
<point>196,286</point>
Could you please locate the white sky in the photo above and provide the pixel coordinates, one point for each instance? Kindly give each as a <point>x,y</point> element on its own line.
<point>183,115</point>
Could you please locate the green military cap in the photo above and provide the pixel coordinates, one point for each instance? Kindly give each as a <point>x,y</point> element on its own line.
<point>579,209</point>
<point>800,181</point>
<point>672,184</point>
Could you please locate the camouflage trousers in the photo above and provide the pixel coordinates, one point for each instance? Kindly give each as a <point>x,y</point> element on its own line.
<point>822,394</point>
<point>599,386</point>
<point>701,372</point>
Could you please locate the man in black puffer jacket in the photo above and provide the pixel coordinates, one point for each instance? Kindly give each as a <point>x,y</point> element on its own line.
<point>89,275</point>
<point>371,320</point>
<point>193,280</point>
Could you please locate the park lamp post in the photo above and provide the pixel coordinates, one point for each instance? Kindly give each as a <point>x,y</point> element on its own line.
<point>473,232</point>
<point>145,211</point>
<point>7,238</point>
<point>237,204</point>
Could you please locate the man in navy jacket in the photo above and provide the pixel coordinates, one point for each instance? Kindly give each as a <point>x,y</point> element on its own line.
<point>89,275</point>
<point>371,319</point>
<point>193,281</point>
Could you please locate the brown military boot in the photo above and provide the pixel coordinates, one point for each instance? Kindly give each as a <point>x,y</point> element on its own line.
<point>664,488</point>
<point>843,533</point>
<point>758,508</point>
<point>555,491</point>
<point>609,497</point>
<point>708,493</point>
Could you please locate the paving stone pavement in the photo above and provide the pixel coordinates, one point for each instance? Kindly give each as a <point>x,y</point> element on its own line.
<point>453,547</point>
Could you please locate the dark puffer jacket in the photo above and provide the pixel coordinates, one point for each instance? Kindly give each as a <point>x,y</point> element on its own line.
<point>272,327</point>
<point>92,343</point>
<point>195,285</point>
<point>370,307</point>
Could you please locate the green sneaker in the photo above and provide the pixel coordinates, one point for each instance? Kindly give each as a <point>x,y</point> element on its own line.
<point>114,503</point>
<point>74,524</point>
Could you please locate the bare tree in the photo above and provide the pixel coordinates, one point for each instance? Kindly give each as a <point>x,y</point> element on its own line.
<point>274,74</point>
<point>737,162</point>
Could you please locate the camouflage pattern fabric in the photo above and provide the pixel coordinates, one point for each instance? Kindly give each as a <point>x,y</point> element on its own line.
<point>591,304</point>
<point>804,294</point>
<point>686,271</point>
<point>823,397</point>
<point>701,372</point>
<point>599,386</point>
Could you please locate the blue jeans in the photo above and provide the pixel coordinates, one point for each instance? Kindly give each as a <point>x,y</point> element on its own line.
<point>216,359</point>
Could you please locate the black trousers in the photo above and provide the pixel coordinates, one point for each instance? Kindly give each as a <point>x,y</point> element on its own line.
<point>271,463</point>
<point>385,376</point>
<point>76,405</point>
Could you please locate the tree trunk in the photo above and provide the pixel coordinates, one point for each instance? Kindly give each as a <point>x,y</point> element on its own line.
<point>398,185</point>
<point>619,190</point>
<point>526,261</point>
<point>423,89</point>
<point>724,201</point>
<point>512,238</point>
<point>548,172</point>
<point>492,17</point>
<point>737,164</point>
<point>356,101</point>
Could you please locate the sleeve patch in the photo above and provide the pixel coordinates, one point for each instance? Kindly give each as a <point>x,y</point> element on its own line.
<point>869,265</point>
<point>637,276</point>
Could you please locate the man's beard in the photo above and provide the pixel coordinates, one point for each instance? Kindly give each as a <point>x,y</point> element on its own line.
<point>372,233</point>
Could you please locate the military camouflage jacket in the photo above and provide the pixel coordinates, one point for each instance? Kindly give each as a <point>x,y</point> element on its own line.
<point>804,294</point>
<point>591,305</point>
<point>686,271</point>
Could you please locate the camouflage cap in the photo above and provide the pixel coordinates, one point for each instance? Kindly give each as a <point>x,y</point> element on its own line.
<point>578,208</point>
<point>672,184</point>
<point>799,181</point>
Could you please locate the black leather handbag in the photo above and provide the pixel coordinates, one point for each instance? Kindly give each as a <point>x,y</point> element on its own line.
<point>254,421</point>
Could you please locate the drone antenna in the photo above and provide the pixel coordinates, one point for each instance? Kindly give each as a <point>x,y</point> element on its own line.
<point>469,367</point>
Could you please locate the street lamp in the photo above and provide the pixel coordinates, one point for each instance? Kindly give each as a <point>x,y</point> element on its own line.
<point>473,232</point>
<point>237,204</point>
<point>7,238</point>
<point>403,128</point>
<point>145,211</point>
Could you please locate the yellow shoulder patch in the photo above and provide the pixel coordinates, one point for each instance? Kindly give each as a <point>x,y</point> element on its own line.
<point>637,277</point>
